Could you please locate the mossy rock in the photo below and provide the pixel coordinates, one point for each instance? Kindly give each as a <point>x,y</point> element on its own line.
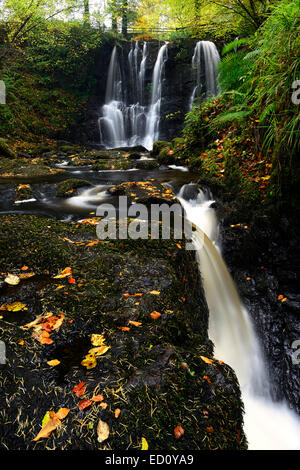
<point>158,147</point>
<point>5,150</point>
<point>152,372</point>
<point>147,164</point>
<point>66,188</point>
<point>165,157</point>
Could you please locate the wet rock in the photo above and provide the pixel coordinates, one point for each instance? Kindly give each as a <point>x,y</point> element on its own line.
<point>68,187</point>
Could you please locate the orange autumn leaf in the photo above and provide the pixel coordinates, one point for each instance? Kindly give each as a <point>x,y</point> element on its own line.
<point>210,429</point>
<point>25,268</point>
<point>178,432</point>
<point>51,425</point>
<point>155,315</point>
<point>84,404</point>
<point>134,323</point>
<point>117,413</point>
<point>53,363</point>
<point>207,379</point>
<point>71,280</point>
<point>98,398</point>
<point>206,360</point>
<point>280,297</point>
<point>123,328</point>
<point>62,413</point>
<point>93,243</point>
<point>104,405</point>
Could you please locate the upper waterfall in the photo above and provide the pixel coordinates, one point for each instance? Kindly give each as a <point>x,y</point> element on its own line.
<point>204,68</point>
<point>126,118</point>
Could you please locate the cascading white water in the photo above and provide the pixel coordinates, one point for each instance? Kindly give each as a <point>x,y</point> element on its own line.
<point>126,119</point>
<point>268,425</point>
<point>204,66</point>
<point>153,117</point>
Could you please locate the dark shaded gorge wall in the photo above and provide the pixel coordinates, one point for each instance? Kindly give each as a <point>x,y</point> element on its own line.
<point>177,87</point>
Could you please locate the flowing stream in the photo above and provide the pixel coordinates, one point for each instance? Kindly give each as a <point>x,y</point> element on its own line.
<point>269,425</point>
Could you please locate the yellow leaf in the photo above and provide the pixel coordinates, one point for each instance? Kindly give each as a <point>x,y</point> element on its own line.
<point>205,359</point>
<point>102,431</point>
<point>145,445</point>
<point>154,292</point>
<point>14,307</point>
<point>97,340</point>
<point>89,361</point>
<point>46,419</point>
<point>99,351</point>
<point>53,363</point>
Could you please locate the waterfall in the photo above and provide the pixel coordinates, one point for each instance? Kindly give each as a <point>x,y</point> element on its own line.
<point>268,425</point>
<point>204,68</point>
<point>126,119</point>
<point>153,117</point>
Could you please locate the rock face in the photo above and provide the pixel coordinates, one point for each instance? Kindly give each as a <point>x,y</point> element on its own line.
<point>265,263</point>
<point>177,87</point>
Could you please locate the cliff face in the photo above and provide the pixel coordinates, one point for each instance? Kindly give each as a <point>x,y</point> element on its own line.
<point>177,87</point>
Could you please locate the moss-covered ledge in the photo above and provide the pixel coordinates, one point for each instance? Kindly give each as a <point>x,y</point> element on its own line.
<point>152,372</point>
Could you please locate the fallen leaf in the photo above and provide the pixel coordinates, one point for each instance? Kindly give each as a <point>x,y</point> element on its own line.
<point>178,432</point>
<point>12,280</point>
<point>89,361</point>
<point>117,413</point>
<point>99,351</point>
<point>26,275</point>
<point>104,405</point>
<point>25,268</point>
<point>98,398</point>
<point>154,292</point>
<point>135,323</point>
<point>84,404</point>
<point>71,280</point>
<point>53,363</point>
<point>79,389</point>
<point>22,342</point>
<point>123,328</point>
<point>49,427</point>
<point>97,340</point>
<point>207,379</point>
<point>205,359</point>
<point>64,273</point>
<point>145,445</point>
<point>155,315</point>
<point>93,243</point>
<point>14,307</point>
<point>62,413</point>
<point>210,429</point>
<point>102,431</point>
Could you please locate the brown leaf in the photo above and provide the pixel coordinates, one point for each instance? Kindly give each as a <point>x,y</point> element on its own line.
<point>102,431</point>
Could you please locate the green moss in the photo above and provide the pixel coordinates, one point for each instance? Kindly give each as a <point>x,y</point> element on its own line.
<point>66,188</point>
<point>5,150</point>
<point>153,372</point>
<point>158,147</point>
